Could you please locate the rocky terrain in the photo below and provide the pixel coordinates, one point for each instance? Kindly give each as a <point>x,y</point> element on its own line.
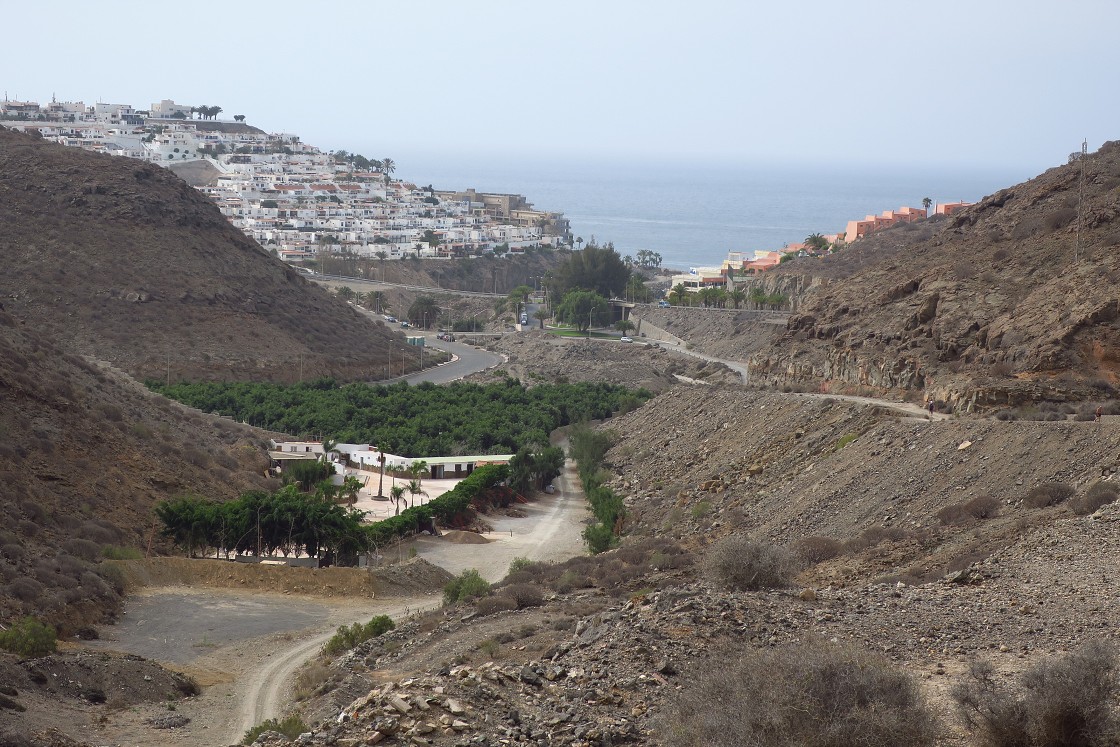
<point>1004,303</point>
<point>616,636</point>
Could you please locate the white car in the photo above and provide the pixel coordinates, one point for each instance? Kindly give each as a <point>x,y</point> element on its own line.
<point>626,339</point>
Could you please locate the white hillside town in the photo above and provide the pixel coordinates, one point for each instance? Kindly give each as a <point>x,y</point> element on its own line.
<point>292,197</point>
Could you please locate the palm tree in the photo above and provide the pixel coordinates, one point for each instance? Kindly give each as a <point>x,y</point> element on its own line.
<point>414,490</point>
<point>816,242</point>
<point>396,492</point>
<point>373,300</point>
<point>540,315</point>
<point>350,487</point>
<point>579,242</point>
<point>387,168</point>
<point>926,202</point>
<point>678,293</point>
<point>624,326</point>
<point>345,292</point>
<point>737,297</point>
<point>418,469</point>
<point>328,447</point>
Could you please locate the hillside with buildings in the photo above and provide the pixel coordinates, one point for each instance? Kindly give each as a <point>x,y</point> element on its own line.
<point>298,201</point>
<point>122,261</point>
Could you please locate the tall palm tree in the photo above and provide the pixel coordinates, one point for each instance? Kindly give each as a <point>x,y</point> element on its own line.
<point>678,293</point>
<point>374,299</point>
<point>926,202</point>
<point>579,242</point>
<point>396,492</point>
<point>418,469</point>
<point>388,166</point>
<point>541,314</point>
<point>414,490</point>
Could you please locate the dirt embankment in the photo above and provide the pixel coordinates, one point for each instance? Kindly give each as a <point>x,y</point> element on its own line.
<point>415,577</point>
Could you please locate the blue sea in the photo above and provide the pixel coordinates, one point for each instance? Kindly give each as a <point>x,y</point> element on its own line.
<point>693,214</point>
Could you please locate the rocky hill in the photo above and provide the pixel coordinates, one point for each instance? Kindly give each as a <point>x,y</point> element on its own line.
<point>124,262</point>
<point>85,454</point>
<point>1001,304</point>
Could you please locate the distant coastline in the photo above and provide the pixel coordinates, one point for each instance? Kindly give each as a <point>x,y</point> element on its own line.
<point>695,215</point>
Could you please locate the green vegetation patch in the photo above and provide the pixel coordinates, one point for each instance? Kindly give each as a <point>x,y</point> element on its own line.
<point>348,637</point>
<point>29,638</point>
<point>411,421</point>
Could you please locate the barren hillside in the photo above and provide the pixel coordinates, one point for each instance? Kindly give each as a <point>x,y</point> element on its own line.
<point>86,453</point>
<point>1001,304</point>
<point>123,261</point>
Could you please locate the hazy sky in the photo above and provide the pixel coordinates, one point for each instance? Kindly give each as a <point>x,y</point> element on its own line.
<point>1014,83</point>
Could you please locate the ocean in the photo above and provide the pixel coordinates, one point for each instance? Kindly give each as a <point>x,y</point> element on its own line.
<point>693,214</point>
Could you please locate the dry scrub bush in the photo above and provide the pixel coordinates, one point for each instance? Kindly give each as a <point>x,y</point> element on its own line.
<point>875,535</point>
<point>1048,494</point>
<point>981,507</point>
<point>523,595</point>
<point>817,549</point>
<point>741,564</point>
<point>1064,701</point>
<point>1099,495</point>
<point>495,604</point>
<point>811,695</point>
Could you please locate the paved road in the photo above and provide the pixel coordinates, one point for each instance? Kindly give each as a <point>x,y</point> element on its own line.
<point>467,358</point>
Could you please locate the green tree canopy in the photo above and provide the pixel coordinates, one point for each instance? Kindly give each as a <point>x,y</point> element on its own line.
<point>582,308</point>
<point>424,312</point>
<point>596,268</point>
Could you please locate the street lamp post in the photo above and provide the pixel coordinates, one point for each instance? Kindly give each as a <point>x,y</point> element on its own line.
<point>593,308</point>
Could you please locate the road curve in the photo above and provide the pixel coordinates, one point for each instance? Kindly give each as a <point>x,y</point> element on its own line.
<point>268,687</point>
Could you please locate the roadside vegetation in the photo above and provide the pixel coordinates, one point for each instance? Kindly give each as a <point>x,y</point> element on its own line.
<point>589,448</point>
<point>290,726</point>
<point>348,637</point>
<point>421,420</point>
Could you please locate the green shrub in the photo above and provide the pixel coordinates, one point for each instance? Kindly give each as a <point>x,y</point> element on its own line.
<point>29,638</point>
<point>464,587</point>
<point>114,552</point>
<point>519,564</point>
<point>599,538</point>
<point>348,637</point>
<point>739,563</point>
<point>1064,701</point>
<point>291,727</point>
<point>810,695</point>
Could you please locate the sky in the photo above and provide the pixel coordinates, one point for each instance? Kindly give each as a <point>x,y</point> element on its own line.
<point>984,83</point>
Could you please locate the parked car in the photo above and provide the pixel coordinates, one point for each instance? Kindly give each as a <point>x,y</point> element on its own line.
<point>390,318</point>
<point>626,339</point>
<point>404,323</point>
<point>663,304</point>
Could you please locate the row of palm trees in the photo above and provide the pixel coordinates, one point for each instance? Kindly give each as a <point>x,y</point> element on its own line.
<point>720,298</point>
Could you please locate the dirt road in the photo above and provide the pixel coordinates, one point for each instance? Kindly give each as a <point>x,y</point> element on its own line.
<point>246,648</point>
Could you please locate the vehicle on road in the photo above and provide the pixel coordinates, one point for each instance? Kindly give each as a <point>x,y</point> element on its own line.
<point>663,304</point>
<point>626,339</point>
<point>390,318</point>
<point>404,323</point>
<point>524,318</point>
